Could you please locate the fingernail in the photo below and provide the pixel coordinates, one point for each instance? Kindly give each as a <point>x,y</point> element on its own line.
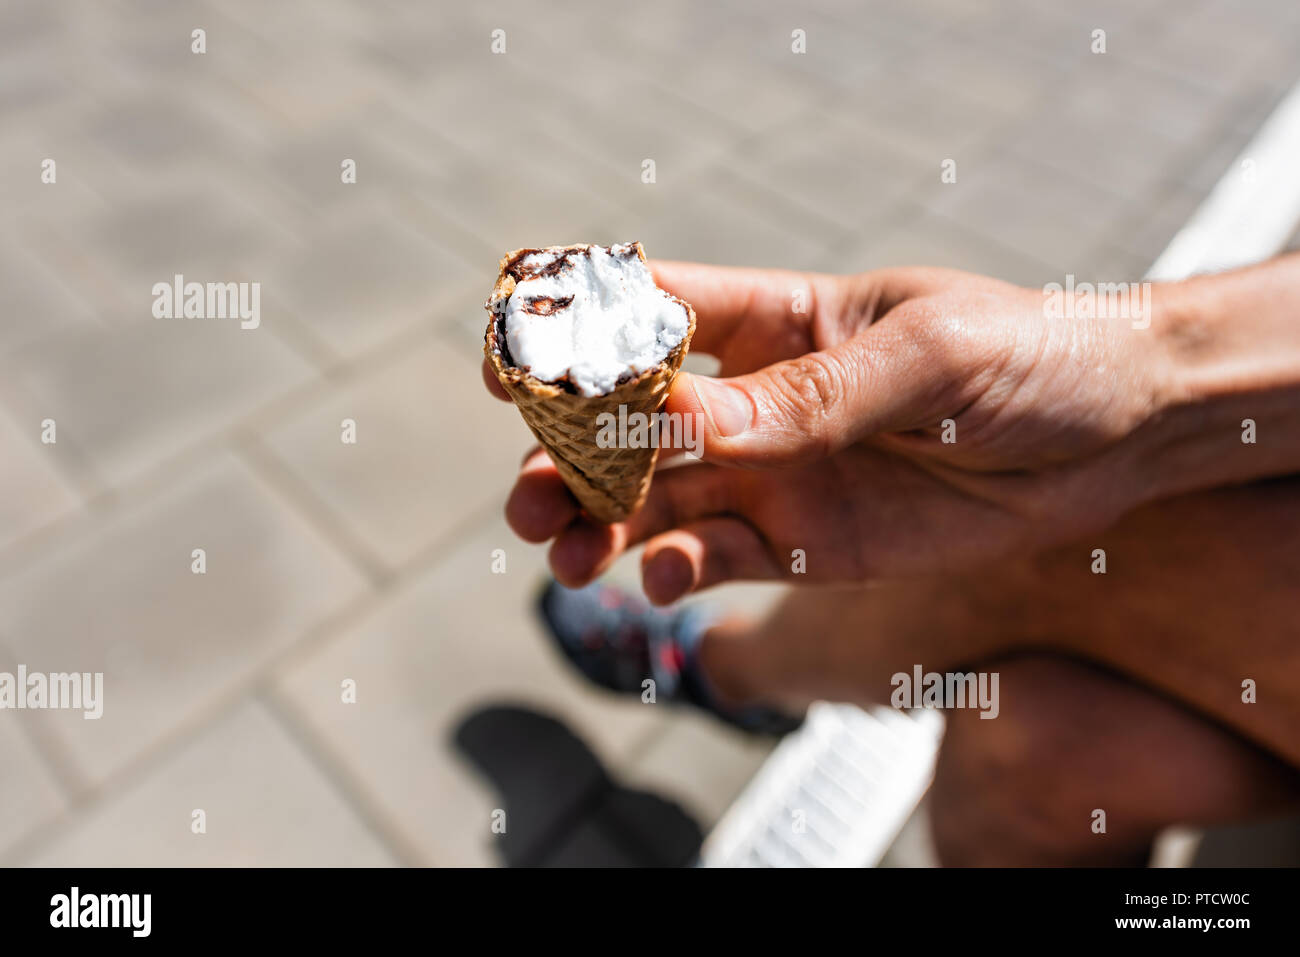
<point>730,409</point>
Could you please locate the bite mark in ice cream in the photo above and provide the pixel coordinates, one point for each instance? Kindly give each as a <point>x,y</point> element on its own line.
<point>589,316</point>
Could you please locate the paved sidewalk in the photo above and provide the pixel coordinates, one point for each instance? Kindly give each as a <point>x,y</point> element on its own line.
<point>371,562</point>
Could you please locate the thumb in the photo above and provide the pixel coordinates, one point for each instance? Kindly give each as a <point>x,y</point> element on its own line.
<point>809,407</point>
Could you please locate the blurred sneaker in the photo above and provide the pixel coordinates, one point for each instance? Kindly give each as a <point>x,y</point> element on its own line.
<point>618,640</point>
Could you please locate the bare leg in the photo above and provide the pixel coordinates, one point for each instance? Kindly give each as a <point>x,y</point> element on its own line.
<point>1200,594</point>
<point>1071,739</point>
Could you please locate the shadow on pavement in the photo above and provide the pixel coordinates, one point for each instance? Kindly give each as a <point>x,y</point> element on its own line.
<point>562,808</point>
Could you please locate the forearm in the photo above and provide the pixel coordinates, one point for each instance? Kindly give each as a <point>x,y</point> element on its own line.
<point>1233,347</point>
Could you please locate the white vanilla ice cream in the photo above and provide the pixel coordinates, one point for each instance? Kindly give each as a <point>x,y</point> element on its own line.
<point>592,317</point>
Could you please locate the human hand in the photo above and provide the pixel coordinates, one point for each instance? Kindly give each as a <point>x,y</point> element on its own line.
<point>908,421</point>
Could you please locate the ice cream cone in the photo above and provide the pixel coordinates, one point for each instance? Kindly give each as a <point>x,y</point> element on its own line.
<point>610,483</point>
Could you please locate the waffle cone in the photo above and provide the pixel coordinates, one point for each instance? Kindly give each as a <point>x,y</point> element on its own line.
<point>609,483</point>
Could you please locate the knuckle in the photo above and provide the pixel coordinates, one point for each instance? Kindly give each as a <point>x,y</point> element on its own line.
<point>814,383</point>
<point>949,343</point>
<point>812,387</point>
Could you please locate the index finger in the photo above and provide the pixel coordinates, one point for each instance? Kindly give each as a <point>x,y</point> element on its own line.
<point>766,301</point>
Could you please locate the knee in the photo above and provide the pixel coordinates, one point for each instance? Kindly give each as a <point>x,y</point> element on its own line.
<point>993,801</point>
<point>1013,791</point>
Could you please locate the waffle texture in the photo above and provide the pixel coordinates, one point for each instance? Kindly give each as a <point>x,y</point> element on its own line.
<point>609,483</point>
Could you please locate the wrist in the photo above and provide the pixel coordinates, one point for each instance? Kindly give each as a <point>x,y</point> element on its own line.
<point>1228,407</point>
